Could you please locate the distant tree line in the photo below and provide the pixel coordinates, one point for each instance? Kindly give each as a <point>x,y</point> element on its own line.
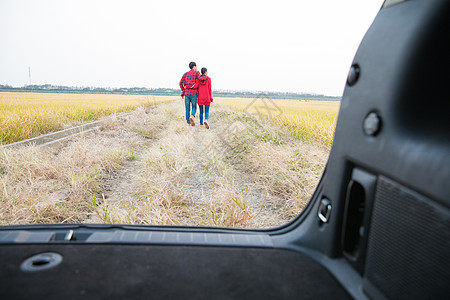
<point>49,88</point>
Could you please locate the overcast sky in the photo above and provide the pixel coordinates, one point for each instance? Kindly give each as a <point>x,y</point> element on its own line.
<point>288,46</point>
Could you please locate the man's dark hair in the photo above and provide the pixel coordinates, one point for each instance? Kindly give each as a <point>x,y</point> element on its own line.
<point>192,64</point>
<point>204,70</point>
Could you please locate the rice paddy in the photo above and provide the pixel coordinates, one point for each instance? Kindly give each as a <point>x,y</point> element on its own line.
<point>308,120</point>
<point>27,115</point>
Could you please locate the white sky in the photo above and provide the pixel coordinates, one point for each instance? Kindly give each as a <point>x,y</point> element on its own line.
<point>288,46</point>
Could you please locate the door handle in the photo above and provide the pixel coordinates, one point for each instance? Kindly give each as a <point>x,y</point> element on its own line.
<point>324,211</point>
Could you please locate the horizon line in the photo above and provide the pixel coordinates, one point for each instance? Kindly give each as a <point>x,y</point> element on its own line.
<point>153,88</point>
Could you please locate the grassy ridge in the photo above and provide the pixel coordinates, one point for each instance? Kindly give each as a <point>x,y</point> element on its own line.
<point>314,120</point>
<point>26,115</point>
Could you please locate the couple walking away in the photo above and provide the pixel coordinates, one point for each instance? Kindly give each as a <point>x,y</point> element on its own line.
<point>196,89</point>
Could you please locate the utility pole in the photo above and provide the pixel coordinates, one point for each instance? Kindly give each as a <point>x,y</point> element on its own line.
<point>29,75</point>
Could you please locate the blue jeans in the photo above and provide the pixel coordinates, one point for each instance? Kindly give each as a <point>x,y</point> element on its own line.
<point>201,113</point>
<point>188,101</point>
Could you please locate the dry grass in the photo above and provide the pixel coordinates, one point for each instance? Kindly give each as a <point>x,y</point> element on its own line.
<point>41,187</point>
<point>26,115</point>
<point>59,184</point>
<point>285,167</point>
<point>151,168</point>
<point>170,174</point>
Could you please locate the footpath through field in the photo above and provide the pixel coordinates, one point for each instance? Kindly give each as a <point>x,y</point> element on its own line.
<point>150,167</point>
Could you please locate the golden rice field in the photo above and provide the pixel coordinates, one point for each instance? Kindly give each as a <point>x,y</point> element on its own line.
<point>314,120</point>
<point>26,115</point>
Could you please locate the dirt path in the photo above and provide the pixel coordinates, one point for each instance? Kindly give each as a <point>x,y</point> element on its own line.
<point>150,167</point>
<point>201,176</point>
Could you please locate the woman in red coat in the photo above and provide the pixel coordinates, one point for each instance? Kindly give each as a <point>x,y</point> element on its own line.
<point>204,96</point>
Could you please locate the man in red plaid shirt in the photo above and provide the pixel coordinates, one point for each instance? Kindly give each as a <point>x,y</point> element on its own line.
<point>190,95</point>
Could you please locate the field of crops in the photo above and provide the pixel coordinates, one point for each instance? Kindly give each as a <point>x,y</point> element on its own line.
<point>314,120</point>
<point>26,115</point>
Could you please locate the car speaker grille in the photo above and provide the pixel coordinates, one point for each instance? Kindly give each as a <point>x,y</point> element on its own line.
<point>409,244</point>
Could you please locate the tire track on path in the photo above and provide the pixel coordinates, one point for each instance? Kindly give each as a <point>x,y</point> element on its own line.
<point>213,173</point>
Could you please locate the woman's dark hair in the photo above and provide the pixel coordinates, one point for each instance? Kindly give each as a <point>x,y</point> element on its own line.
<point>204,70</point>
<point>192,64</point>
